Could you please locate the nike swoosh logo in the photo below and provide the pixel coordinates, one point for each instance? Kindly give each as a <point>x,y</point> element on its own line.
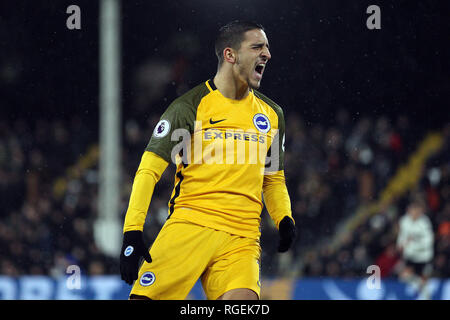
<point>214,122</point>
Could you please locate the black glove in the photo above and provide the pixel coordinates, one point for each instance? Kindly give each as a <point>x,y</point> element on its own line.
<point>133,248</point>
<point>287,231</point>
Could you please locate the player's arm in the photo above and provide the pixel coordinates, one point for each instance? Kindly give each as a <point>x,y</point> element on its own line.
<point>157,156</point>
<point>278,204</point>
<point>275,193</point>
<point>276,197</point>
<point>402,236</point>
<point>148,174</point>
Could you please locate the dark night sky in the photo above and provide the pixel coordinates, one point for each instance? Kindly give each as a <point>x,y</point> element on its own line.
<point>323,56</point>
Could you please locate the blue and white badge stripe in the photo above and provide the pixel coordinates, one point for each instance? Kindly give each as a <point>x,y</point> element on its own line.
<point>261,122</point>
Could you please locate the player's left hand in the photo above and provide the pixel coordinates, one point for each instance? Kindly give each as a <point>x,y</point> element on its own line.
<point>287,232</point>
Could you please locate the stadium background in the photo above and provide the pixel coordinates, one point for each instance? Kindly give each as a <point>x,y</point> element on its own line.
<point>367,127</point>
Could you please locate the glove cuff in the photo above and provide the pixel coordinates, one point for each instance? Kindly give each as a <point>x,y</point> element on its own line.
<point>286,222</point>
<point>132,236</point>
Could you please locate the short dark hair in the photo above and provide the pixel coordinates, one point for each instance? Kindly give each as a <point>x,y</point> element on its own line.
<point>231,35</point>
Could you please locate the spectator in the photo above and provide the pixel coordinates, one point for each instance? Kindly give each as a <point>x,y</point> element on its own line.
<point>387,261</point>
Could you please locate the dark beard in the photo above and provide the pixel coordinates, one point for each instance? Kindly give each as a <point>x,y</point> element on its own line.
<point>247,78</point>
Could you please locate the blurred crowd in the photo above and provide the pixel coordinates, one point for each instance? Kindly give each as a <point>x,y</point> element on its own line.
<point>373,242</point>
<point>42,231</point>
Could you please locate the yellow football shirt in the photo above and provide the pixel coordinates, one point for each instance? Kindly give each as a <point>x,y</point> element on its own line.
<point>222,149</point>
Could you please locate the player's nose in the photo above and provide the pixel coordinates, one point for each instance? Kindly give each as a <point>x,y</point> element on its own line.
<point>266,54</point>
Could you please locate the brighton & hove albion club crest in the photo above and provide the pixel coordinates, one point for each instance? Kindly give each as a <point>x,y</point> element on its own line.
<point>147,278</point>
<point>261,122</point>
<point>162,129</point>
<point>128,251</point>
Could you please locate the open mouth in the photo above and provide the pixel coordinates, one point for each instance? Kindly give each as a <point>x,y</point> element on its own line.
<point>260,68</point>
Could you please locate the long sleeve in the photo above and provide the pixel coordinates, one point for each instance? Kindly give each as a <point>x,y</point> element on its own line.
<point>276,197</point>
<point>148,174</point>
<point>401,238</point>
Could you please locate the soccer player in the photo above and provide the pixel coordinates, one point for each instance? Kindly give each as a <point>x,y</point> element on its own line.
<point>415,242</point>
<point>213,227</point>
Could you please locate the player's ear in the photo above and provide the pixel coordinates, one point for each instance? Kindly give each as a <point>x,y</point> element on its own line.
<point>229,55</point>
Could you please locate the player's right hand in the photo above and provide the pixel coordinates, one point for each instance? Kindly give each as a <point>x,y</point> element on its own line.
<point>133,248</point>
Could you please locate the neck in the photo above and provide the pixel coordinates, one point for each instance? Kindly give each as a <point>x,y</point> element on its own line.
<point>230,86</point>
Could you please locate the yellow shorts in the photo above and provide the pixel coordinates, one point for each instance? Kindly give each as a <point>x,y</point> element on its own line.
<point>183,252</point>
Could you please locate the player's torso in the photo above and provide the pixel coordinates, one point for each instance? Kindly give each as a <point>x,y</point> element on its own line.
<point>224,173</point>
<point>229,144</point>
